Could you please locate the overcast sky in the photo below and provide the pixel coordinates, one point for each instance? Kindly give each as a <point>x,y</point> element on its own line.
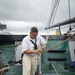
<point>21,15</point>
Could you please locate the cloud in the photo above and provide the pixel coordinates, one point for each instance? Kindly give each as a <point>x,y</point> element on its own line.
<point>21,15</point>
<point>23,26</point>
<point>25,10</point>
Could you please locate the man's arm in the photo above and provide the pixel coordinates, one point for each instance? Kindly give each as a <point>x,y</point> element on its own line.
<point>35,51</point>
<point>31,51</point>
<point>43,46</point>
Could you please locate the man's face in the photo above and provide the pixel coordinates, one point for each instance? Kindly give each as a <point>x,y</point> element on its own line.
<point>33,35</point>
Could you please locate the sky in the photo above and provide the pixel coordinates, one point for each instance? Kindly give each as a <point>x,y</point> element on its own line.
<point>21,15</point>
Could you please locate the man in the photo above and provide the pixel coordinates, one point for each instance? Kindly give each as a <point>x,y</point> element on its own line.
<point>32,45</point>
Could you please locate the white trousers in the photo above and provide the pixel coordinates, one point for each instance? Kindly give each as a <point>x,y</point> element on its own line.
<point>29,64</point>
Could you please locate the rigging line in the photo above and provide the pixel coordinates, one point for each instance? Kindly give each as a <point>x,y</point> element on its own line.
<point>69,9</point>
<point>13,45</point>
<point>52,12</point>
<point>40,65</point>
<point>47,36</point>
<point>52,18</point>
<point>71,28</point>
<point>48,23</point>
<point>52,5</point>
<point>72,31</point>
<point>69,14</point>
<point>55,4</point>
<point>54,9</point>
<point>47,26</point>
<point>55,46</point>
<point>55,12</point>
<point>53,1</point>
<point>50,48</point>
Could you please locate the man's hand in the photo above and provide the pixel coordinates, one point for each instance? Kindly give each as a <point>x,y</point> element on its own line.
<point>36,51</point>
<point>40,50</point>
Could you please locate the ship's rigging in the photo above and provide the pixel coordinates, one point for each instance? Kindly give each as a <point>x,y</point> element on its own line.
<point>55,4</point>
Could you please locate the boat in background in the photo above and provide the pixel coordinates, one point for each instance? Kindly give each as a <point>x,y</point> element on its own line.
<point>57,61</point>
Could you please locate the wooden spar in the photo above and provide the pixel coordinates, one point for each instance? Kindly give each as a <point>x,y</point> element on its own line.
<point>69,21</point>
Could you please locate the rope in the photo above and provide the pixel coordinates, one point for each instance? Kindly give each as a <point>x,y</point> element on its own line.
<point>40,72</point>
<point>55,69</point>
<point>46,41</point>
<point>53,13</point>
<point>69,15</point>
<point>72,31</point>
<point>3,69</point>
<point>58,44</point>
<point>10,45</point>
<point>47,37</point>
<point>58,1</point>
<point>69,10</point>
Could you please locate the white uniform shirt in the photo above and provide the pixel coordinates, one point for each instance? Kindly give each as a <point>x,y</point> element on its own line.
<point>27,44</point>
